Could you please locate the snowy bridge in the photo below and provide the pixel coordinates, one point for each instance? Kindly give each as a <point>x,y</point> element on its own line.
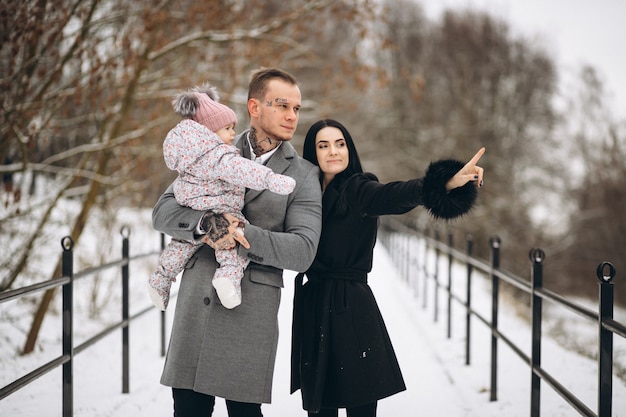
<point>463,351</point>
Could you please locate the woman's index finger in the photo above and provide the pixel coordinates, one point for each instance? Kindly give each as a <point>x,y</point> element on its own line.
<point>478,155</point>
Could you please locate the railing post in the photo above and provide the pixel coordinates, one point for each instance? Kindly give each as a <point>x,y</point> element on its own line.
<point>450,259</point>
<point>468,302</point>
<point>125,232</point>
<point>404,257</point>
<point>68,293</point>
<point>409,246</point>
<point>436,292</point>
<point>605,340</point>
<point>495,264</point>
<point>537,257</point>
<point>414,263</point>
<point>163,318</point>
<point>414,259</point>
<point>405,261</point>
<point>425,271</point>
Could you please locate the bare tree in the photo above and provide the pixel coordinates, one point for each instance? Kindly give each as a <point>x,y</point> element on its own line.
<point>597,227</point>
<point>85,100</point>
<point>462,83</point>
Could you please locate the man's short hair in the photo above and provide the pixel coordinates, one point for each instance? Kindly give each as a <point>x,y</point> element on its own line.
<point>260,79</point>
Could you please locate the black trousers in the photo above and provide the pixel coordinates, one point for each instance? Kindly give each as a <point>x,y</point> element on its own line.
<point>188,403</point>
<point>367,410</point>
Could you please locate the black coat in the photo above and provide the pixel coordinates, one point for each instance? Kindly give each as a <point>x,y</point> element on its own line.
<point>341,352</point>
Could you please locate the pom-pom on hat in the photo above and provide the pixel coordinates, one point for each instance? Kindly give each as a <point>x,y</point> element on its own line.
<point>201,105</point>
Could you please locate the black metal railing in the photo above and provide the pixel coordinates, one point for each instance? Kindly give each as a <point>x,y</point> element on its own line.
<point>399,239</point>
<point>66,282</point>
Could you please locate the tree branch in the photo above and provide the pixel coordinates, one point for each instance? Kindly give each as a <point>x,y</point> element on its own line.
<point>221,36</point>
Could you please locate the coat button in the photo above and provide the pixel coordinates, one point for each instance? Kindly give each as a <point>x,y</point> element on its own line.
<point>207,301</point>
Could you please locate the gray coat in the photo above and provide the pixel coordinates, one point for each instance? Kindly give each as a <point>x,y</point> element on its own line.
<point>231,353</point>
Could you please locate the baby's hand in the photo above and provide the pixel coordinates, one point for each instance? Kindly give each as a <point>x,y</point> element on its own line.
<point>281,184</point>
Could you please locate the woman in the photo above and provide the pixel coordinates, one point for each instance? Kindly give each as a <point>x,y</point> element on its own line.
<point>342,356</point>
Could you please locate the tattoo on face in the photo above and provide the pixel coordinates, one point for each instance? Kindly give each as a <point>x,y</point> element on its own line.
<point>278,100</point>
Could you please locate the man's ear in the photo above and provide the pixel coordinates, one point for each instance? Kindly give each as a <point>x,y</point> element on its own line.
<point>253,107</point>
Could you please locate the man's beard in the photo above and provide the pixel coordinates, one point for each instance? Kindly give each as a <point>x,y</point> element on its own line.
<point>272,135</point>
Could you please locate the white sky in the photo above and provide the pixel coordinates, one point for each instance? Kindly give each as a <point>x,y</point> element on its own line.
<point>576,32</point>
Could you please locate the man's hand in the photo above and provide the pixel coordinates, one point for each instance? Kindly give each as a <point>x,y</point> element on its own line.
<point>230,231</point>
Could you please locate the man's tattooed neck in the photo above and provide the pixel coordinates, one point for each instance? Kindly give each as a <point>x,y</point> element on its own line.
<point>257,148</point>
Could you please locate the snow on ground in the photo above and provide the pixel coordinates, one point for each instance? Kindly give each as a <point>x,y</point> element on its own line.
<point>438,381</point>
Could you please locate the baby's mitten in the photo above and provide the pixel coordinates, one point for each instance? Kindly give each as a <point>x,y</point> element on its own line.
<point>280,184</point>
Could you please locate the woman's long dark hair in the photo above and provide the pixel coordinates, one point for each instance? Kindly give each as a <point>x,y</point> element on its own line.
<point>354,163</point>
<point>308,152</point>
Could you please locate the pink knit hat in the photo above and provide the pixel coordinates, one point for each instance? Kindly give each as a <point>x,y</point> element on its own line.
<point>213,114</point>
<point>201,105</point>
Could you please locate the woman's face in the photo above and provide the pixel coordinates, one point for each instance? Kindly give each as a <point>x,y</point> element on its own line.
<point>332,153</point>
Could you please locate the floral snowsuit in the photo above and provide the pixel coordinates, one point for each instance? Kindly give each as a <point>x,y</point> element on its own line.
<point>212,176</point>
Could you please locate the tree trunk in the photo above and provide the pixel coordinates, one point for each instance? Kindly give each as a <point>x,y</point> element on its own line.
<point>77,230</point>
<point>90,200</point>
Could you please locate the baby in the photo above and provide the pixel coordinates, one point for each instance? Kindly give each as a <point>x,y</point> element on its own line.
<point>212,175</point>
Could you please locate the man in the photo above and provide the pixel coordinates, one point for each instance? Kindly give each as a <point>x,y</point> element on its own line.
<point>213,351</point>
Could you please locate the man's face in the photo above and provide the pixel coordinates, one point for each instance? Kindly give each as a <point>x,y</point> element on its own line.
<point>278,113</point>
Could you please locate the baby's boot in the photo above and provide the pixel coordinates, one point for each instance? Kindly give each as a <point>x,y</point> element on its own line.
<point>227,291</point>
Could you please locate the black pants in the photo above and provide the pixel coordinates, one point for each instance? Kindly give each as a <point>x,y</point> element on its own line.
<point>188,403</point>
<point>367,410</point>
